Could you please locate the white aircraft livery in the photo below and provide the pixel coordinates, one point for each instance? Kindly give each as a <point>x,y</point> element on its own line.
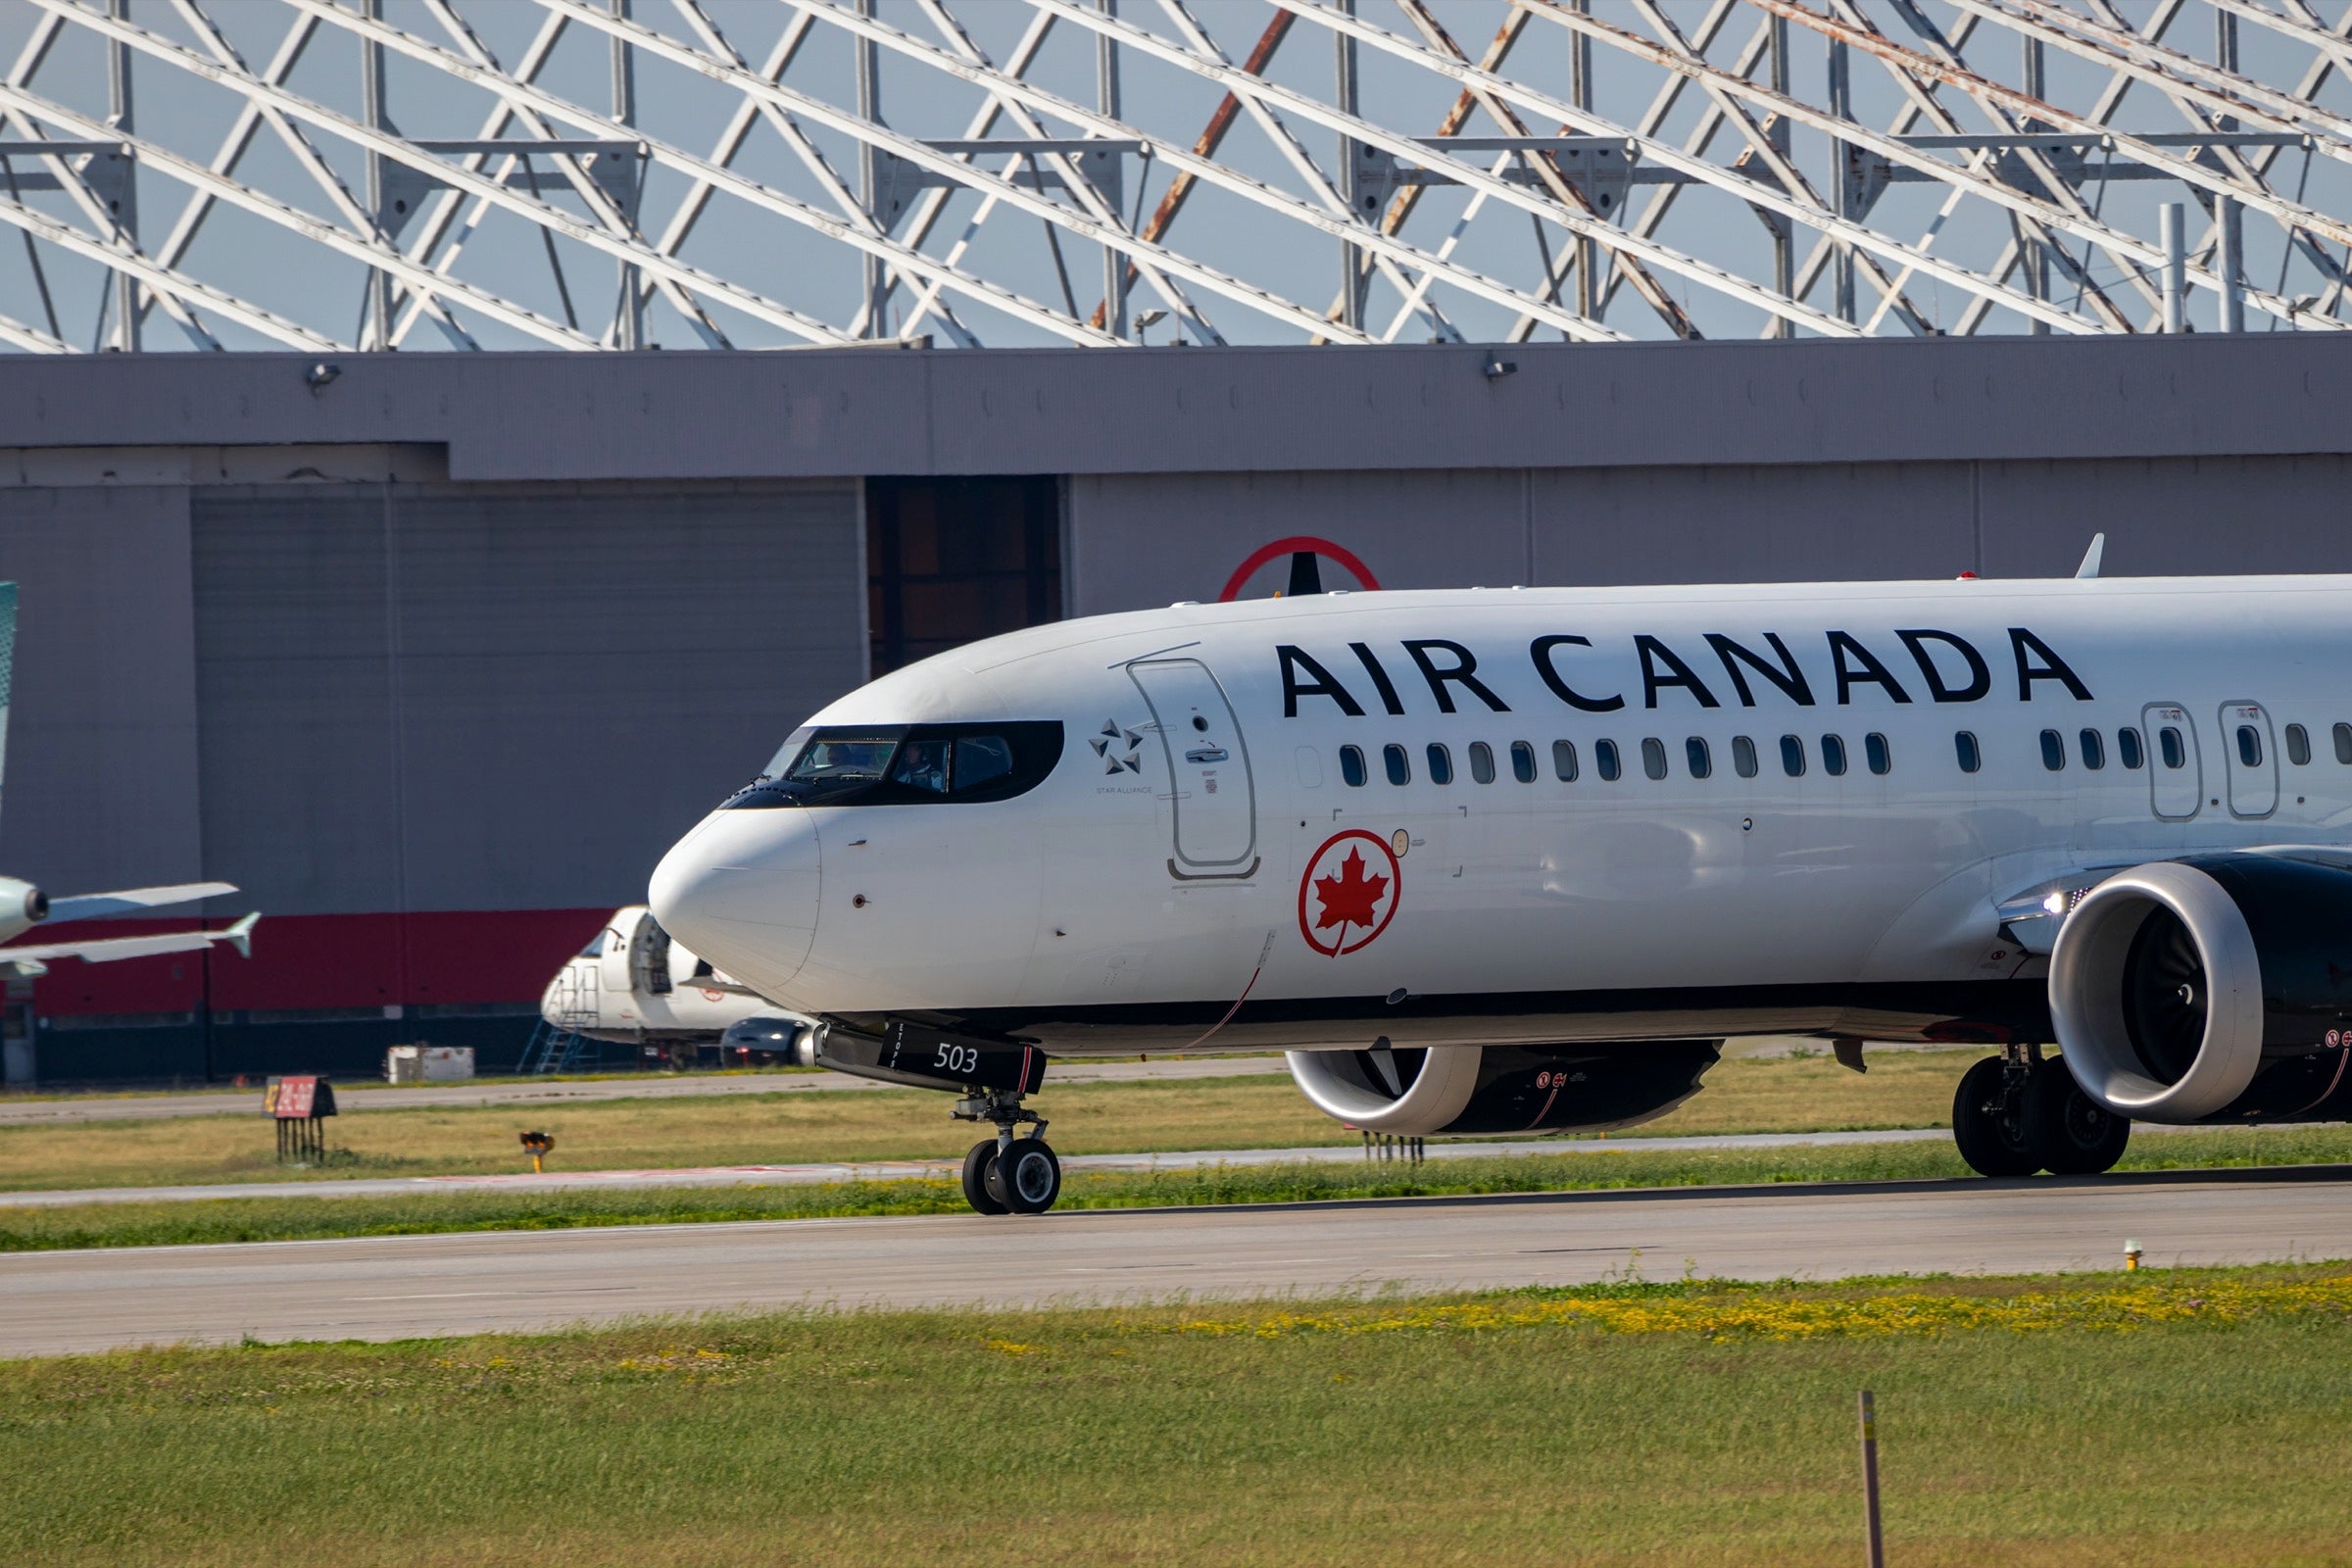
<point>1516,860</point>
<point>24,905</point>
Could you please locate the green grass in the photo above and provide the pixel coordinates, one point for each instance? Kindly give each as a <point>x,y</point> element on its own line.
<point>381,1138</point>
<point>2167,1419</point>
<point>263,1220</point>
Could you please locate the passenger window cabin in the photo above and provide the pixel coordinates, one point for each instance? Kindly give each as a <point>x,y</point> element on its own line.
<point>2249,746</point>
<point>1482,763</point>
<point>1971,755</point>
<point>1563,760</point>
<point>1792,756</point>
<point>1523,761</point>
<point>2298,745</point>
<point>1604,759</point>
<point>1876,752</point>
<point>2129,751</point>
<point>1832,755</point>
<point>2053,750</point>
<point>1440,764</point>
<point>1695,754</point>
<point>2170,746</point>
<point>1653,758</point>
<point>2343,744</point>
<point>1744,757</point>
<point>1400,766</point>
<point>2093,750</point>
<point>1351,767</point>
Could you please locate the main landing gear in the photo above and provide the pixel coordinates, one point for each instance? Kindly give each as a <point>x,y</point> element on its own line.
<point>2015,1114</point>
<point>1006,1174</point>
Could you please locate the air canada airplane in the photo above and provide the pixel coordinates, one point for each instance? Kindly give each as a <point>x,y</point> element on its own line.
<point>24,905</point>
<point>1521,861</point>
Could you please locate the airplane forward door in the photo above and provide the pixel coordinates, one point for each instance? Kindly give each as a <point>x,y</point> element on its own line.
<point>1211,797</point>
<point>2252,759</point>
<point>2175,776</point>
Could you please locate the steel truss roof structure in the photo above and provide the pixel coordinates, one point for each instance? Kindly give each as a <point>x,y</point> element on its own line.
<point>367,175</point>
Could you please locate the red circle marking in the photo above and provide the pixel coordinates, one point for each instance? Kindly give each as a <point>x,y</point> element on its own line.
<point>1341,946</point>
<point>1291,546</point>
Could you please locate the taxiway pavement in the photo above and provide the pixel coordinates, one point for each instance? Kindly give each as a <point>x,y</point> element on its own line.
<point>399,1287</point>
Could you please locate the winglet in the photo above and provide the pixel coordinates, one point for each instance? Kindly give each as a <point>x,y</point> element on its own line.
<point>2090,557</point>
<point>240,934</point>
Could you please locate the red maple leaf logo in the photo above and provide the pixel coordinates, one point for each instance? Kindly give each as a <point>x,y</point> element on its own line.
<point>1351,896</point>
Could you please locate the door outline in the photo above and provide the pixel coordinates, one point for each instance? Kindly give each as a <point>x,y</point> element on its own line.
<point>2232,714</point>
<point>2151,718</point>
<point>1246,862</point>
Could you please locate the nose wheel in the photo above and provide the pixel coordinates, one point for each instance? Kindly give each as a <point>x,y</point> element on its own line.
<point>1006,1174</point>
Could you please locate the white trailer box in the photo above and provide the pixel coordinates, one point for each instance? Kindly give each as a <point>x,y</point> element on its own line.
<point>428,1064</point>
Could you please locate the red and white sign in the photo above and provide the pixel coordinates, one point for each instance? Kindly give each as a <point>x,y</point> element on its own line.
<point>1340,555</point>
<point>1348,893</point>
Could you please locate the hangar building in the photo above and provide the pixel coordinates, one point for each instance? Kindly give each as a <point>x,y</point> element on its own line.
<point>435,658</point>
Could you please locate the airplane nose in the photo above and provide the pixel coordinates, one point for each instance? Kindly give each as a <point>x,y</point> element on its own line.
<point>740,890</point>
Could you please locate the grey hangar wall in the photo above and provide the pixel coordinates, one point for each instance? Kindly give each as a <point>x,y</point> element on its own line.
<point>434,659</point>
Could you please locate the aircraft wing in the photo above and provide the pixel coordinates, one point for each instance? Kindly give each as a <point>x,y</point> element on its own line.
<point>33,958</point>
<point>90,905</point>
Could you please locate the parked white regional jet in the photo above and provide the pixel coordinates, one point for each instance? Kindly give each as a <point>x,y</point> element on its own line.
<point>1520,861</point>
<point>635,986</point>
<point>24,905</point>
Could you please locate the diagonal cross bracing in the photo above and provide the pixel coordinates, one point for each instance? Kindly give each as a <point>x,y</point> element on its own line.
<point>828,171</point>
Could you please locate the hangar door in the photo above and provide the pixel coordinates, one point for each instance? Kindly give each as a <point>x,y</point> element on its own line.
<point>449,697</point>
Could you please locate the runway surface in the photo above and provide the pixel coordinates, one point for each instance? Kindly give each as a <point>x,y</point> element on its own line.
<point>402,1287</point>
<point>357,1096</point>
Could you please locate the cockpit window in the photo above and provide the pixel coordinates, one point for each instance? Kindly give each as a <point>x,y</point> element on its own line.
<point>842,759</point>
<point>909,764</point>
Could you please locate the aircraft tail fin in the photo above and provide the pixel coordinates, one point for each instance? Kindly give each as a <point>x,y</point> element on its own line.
<point>240,934</point>
<point>2090,557</point>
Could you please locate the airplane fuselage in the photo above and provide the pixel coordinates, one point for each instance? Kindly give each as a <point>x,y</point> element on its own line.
<point>1489,817</point>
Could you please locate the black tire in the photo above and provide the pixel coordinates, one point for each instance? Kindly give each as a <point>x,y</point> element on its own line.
<point>1029,1176</point>
<point>979,1167</point>
<point>1993,1144</point>
<point>2071,1133</point>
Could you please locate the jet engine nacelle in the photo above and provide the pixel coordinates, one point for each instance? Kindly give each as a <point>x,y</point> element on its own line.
<point>2217,988</point>
<point>1446,1089</point>
<point>21,904</point>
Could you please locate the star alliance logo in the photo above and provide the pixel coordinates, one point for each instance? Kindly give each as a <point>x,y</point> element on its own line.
<point>1114,740</point>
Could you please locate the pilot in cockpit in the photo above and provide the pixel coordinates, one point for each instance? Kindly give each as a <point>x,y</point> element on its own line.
<point>923,764</point>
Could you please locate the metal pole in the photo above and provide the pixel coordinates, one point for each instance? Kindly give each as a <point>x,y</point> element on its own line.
<point>1870,1482</point>
<point>1784,271</point>
<point>123,335</point>
<point>2036,260</point>
<point>2229,234</point>
<point>2176,267</point>
<point>1352,282</point>
<point>1588,292</point>
<point>869,166</point>
<point>1842,181</point>
<point>628,326</point>
<point>1106,99</point>
<point>377,331</point>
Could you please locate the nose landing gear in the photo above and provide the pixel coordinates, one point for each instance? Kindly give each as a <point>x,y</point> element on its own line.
<point>1006,1174</point>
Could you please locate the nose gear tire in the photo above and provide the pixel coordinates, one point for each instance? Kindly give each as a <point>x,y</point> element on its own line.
<point>1029,1176</point>
<point>2073,1135</point>
<point>1991,1133</point>
<point>979,1171</point>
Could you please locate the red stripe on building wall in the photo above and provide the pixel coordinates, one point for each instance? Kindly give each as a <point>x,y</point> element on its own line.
<point>325,961</point>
